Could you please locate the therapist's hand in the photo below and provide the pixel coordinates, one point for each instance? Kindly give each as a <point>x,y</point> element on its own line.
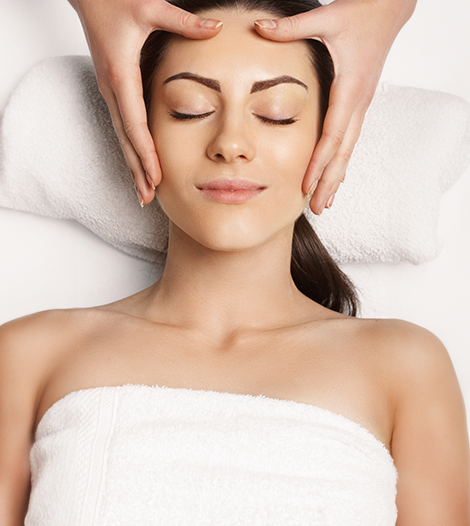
<point>116,31</point>
<point>358,35</point>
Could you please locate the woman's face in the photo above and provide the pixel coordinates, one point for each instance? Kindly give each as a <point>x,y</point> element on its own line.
<point>235,119</point>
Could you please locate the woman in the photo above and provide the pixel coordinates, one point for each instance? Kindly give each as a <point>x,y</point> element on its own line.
<point>358,34</point>
<point>233,119</point>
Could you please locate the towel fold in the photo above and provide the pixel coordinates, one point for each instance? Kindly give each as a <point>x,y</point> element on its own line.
<point>146,455</point>
<point>59,157</point>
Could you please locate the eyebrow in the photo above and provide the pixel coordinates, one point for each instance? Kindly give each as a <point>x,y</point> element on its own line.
<point>283,79</point>
<point>210,83</point>
<point>257,86</point>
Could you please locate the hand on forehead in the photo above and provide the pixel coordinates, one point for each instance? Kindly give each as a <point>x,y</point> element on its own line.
<point>238,56</point>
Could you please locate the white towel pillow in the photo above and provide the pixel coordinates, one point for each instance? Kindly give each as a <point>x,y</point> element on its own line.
<point>60,157</point>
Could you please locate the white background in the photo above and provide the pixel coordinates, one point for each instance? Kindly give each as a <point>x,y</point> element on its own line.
<point>46,263</point>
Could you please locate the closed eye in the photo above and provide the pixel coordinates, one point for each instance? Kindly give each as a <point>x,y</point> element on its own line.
<point>276,122</point>
<point>189,116</point>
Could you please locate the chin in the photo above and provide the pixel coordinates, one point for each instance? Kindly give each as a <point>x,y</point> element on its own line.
<point>234,229</point>
<point>233,239</point>
<point>230,242</point>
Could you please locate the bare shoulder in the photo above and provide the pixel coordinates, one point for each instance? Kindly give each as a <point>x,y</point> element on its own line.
<point>399,344</point>
<point>411,358</point>
<point>30,345</point>
<point>429,436</point>
<point>33,348</point>
<point>41,329</point>
<point>409,352</point>
<point>20,339</point>
<point>26,348</point>
<point>30,348</point>
<point>419,369</point>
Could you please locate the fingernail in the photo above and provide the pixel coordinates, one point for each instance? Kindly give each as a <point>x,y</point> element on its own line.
<point>266,24</point>
<point>329,203</point>
<point>209,23</point>
<point>149,180</point>
<point>312,189</point>
<point>139,197</point>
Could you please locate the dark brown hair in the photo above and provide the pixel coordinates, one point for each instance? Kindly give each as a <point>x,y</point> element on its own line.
<point>313,270</point>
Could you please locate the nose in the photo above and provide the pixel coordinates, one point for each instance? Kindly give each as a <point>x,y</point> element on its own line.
<point>231,141</point>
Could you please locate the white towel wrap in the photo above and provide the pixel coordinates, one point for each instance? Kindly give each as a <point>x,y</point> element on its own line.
<point>145,455</point>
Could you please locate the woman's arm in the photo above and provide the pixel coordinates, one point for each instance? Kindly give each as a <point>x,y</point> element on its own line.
<point>359,35</point>
<point>20,370</point>
<point>430,439</point>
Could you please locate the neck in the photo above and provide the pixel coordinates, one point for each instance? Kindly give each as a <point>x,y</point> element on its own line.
<point>224,291</point>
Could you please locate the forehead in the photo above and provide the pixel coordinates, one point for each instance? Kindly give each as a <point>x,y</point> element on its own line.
<point>237,55</point>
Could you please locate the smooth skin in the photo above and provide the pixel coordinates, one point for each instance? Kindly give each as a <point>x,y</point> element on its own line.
<point>226,315</point>
<point>358,34</point>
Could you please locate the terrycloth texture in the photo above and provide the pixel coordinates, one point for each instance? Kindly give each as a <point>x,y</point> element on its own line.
<point>145,455</point>
<point>60,157</point>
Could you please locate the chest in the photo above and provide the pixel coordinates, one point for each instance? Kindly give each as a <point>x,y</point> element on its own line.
<point>292,366</point>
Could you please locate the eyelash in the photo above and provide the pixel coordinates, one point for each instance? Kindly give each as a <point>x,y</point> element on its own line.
<point>190,116</point>
<point>280,122</point>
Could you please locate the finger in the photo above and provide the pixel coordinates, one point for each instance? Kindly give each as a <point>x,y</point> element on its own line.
<point>133,160</point>
<point>132,120</point>
<point>342,105</point>
<point>311,24</point>
<point>170,18</point>
<point>335,172</point>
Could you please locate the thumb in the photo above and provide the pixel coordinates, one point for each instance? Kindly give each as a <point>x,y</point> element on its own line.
<point>312,24</point>
<point>176,20</point>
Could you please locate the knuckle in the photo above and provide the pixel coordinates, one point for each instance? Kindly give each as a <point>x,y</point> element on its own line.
<point>318,166</point>
<point>147,156</point>
<point>292,24</point>
<point>131,128</point>
<point>334,137</point>
<point>135,139</point>
<point>184,18</point>
<point>344,154</point>
<point>326,184</point>
<point>113,75</point>
<point>123,140</point>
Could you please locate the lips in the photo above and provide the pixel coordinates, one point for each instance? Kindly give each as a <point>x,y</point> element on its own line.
<point>232,191</point>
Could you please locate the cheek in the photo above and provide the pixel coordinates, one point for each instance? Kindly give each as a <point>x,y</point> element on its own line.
<point>288,157</point>
<point>289,154</point>
<point>178,148</point>
<point>172,162</point>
